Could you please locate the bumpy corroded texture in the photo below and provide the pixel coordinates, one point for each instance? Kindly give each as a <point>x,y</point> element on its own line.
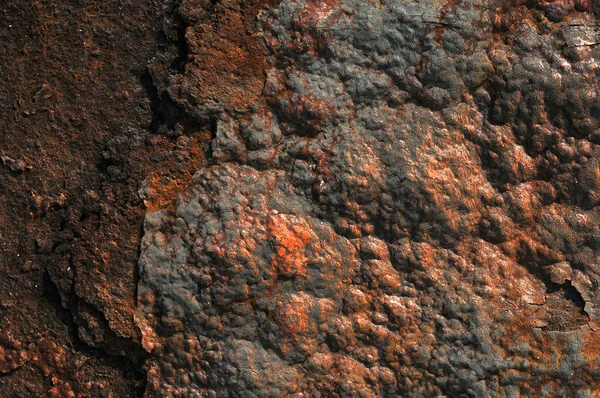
<point>408,207</point>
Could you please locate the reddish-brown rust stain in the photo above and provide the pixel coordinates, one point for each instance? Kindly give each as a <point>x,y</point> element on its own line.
<point>228,61</point>
<point>290,237</point>
<point>293,317</point>
<point>164,189</point>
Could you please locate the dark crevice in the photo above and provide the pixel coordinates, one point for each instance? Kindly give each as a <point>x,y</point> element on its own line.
<point>136,266</point>
<point>564,304</point>
<point>489,112</point>
<point>52,294</point>
<point>565,307</point>
<point>179,62</point>
<point>568,292</point>
<point>208,154</point>
<point>573,295</point>
<point>155,102</point>
<point>168,117</point>
<point>285,278</point>
<point>131,370</point>
<point>11,372</point>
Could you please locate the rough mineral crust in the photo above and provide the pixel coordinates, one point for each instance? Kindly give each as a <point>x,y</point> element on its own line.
<point>401,200</point>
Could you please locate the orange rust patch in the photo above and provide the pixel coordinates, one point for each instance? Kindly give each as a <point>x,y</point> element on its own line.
<point>164,189</point>
<point>291,237</point>
<point>293,317</point>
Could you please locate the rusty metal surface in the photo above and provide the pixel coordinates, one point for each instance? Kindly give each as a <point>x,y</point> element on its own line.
<point>408,208</point>
<point>388,198</point>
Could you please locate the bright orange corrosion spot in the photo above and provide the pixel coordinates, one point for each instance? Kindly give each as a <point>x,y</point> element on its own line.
<point>290,236</point>
<point>163,189</point>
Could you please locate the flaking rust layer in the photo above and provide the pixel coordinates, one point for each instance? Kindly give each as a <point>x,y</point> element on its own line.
<point>401,200</point>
